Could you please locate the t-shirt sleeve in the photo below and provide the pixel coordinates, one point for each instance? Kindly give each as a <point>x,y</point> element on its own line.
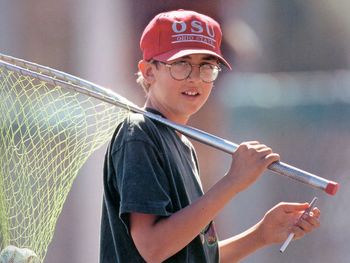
<point>141,180</point>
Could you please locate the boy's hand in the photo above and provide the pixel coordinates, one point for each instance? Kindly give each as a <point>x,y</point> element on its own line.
<point>249,161</point>
<point>285,218</point>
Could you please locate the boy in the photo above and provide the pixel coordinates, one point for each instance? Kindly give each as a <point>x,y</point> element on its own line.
<point>154,209</point>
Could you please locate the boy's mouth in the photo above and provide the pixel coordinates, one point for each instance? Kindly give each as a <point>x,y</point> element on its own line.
<point>191,93</point>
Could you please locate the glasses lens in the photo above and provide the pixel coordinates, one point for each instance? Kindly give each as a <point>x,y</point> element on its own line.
<point>180,70</point>
<point>209,72</point>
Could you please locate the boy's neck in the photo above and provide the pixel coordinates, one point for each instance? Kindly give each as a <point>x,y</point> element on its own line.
<point>168,115</point>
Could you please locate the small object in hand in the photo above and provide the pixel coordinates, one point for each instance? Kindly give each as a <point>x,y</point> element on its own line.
<point>291,235</point>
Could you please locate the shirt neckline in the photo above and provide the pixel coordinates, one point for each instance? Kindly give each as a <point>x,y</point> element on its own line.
<point>155,112</point>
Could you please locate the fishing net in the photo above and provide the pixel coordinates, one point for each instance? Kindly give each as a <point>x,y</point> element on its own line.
<point>47,132</point>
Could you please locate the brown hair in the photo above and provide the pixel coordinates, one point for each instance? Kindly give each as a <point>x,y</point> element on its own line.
<point>142,82</point>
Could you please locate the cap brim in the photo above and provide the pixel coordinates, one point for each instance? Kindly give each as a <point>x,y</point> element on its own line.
<point>176,53</point>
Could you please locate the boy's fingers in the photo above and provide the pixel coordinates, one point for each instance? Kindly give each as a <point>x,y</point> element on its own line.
<point>305,226</point>
<point>293,207</point>
<point>316,212</point>
<point>273,157</point>
<point>308,224</point>
<point>298,232</point>
<point>314,221</point>
<point>251,142</point>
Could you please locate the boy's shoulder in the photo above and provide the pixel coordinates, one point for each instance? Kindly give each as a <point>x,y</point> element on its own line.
<point>138,122</point>
<point>137,127</point>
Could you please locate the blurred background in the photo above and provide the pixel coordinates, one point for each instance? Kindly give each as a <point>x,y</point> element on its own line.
<point>289,88</point>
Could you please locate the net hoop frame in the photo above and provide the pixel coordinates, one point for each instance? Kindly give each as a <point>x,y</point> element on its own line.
<point>59,78</point>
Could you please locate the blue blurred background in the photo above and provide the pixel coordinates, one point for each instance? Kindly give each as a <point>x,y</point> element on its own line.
<point>289,88</point>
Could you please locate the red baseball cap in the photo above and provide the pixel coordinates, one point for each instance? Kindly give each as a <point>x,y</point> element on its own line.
<point>179,33</point>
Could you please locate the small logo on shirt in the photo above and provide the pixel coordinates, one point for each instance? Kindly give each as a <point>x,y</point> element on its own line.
<point>208,234</point>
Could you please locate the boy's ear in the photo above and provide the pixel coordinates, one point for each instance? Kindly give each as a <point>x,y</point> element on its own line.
<point>146,70</point>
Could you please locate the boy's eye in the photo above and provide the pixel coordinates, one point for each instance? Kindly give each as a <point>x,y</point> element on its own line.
<point>181,62</point>
<point>181,65</point>
<point>209,65</point>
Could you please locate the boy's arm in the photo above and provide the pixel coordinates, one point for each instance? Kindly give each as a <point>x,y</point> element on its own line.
<point>238,247</point>
<point>159,238</point>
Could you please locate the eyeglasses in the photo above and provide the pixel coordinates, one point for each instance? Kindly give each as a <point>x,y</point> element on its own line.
<point>181,70</point>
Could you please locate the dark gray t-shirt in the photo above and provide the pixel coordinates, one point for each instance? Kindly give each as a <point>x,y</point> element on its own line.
<point>149,169</point>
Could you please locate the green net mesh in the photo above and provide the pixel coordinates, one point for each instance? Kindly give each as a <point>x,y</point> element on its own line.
<point>46,134</point>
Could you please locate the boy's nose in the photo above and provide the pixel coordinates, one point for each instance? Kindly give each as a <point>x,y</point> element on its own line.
<point>195,73</point>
